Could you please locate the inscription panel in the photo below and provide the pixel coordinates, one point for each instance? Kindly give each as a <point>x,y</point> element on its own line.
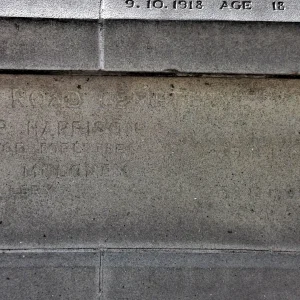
<point>166,162</point>
<point>205,10</point>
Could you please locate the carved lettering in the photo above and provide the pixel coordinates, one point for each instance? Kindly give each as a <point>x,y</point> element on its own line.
<point>278,5</point>
<point>236,5</point>
<point>76,128</point>
<point>38,98</point>
<point>2,126</point>
<point>12,148</point>
<point>61,170</point>
<point>62,148</point>
<point>205,10</point>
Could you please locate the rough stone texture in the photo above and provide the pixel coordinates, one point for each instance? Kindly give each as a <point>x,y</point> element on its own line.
<point>202,47</point>
<point>48,45</point>
<point>220,276</point>
<point>45,276</point>
<point>152,274</point>
<point>62,9</point>
<point>149,46</point>
<point>149,162</point>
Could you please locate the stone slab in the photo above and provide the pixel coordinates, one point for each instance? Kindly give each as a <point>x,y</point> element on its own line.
<point>41,276</point>
<point>49,45</point>
<point>54,9</point>
<point>183,276</point>
<point>149,46</point>
<point>149,162</point>
<point>258,10</point>
<point>201,47</point>
<point>212,10</point>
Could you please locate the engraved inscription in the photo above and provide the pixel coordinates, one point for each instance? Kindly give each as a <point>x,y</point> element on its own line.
<point>279,5</point>
<point>207,10</point>
<point>236,5</point>
<point>61,170</point>
<point>75,128</point>
<point>189,5</point>
<point>183,4</point>
<point>39,98</point>
<point>12,148</point>
<point>106,159</point>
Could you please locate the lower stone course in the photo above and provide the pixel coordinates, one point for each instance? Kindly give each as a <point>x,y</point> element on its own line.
<point>219,275</point>
<point>148,274</point>
<point>49,275</point>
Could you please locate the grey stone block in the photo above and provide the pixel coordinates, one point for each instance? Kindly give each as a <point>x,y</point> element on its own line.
<point>149,162</point>
<point>48,45</point>
<point>185,276</point>
<point>213,10</point>
<point>41,276</point>
<point>56,9</point>
<point>149,46</point>
<point>201,47</point>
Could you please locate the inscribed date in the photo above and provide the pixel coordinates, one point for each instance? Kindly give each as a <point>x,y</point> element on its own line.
<point>160,4</point>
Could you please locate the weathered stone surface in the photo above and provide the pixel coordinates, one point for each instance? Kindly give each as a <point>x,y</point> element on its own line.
<point>220,276</point>
<point>56,9</point>
<point>149,162</point>
<point>49,45</point>
<point>41,276</point>
<point>149,46</point>
<point>201,47</point>
<point>213,10</point>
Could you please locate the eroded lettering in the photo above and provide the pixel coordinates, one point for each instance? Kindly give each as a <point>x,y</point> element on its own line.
<point>38,98</point>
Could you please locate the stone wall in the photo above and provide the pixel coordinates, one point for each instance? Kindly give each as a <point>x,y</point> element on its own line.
<point>116,187</point>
